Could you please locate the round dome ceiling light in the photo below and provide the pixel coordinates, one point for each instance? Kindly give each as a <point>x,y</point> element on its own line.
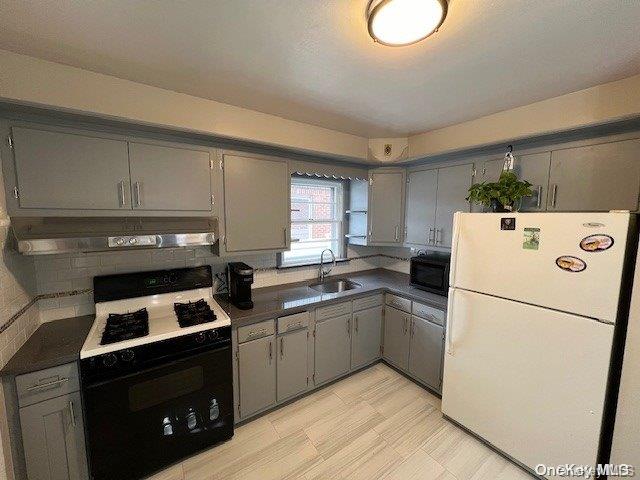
<point>402,22</point>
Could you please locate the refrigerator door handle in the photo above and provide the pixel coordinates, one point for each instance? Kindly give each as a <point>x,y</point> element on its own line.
<point>449,323</point>
<point>454,249</point>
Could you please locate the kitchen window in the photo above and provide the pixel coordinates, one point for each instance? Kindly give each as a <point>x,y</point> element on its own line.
<point>316,220</point>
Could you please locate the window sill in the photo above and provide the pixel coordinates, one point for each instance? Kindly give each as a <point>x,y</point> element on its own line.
<point>311,264</point>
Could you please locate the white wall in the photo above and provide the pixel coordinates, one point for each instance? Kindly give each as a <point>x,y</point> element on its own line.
<point>32,81</point>
<point>593,106</point>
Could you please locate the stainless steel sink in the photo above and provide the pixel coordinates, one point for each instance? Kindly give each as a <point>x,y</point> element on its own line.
<point>335,286</point>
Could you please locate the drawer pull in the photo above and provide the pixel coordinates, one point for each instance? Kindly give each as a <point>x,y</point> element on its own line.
<point>294,325</point>
<point>257,333</point>
<point>44,386</point>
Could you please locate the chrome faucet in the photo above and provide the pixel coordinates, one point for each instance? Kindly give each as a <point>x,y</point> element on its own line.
<point>322,272</point>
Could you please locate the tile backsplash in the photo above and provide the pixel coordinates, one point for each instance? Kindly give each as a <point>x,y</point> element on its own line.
<point>70,277</point>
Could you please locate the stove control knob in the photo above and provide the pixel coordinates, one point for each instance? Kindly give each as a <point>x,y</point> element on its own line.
<point>200,337</point>
<point>214,334</point>
<point>109,360</point>
<point>127,355</point>
<point>133,240</point>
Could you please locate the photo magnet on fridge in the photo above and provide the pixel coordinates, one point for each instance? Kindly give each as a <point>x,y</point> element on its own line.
<point>507,223</point>
<point>531,240</point>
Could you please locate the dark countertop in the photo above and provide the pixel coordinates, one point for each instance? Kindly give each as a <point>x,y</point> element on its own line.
<point>270,302</point>
<point>53,343</point>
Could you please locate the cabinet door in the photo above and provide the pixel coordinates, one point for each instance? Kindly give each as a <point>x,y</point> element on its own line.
<point>453,188</point>
<point>170,178</point>
<point>365,337</point>
<point>595,178</point>
<point>533,168</point>
<point>385,207</point>
<point>53,439</point>
<point>396,337</point>
<point>256,199</point>
<point>332,348</point>
<point>425,351</point>
<point>257,374</point>
<point>57,170</point>
<point>292,364</point>
<point>422,188</point>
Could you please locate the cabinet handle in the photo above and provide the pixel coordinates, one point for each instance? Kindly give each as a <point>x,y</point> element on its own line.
<point>430,240</point>
<point>282,347</point>
<point>404,326</point>
<point>538,202</point>
<point>285,235</point>
<point>270,351</point>
<point>349,327</point>
<point>554,195</point>
<point>438,236</point>
<point>44,386</point>
<point>356,326</point>
<point>413,327</point>
<point>72,414</point>
<point>397,232</point>
<point>123,198</point>
<point>137,190</point>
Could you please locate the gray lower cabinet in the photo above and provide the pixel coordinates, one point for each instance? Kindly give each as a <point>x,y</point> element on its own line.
<point>425,351</point>
<point>332,348</point>
<point>53,439</point>
<point>533,168</point>
<point>595,178</point>
<point>256,203</point>
<point>257,375</point>
<point>170,178</point>
<point>292,372</point>
<point>396,337</point>
<point>67,171</point>
<point>366,331</point>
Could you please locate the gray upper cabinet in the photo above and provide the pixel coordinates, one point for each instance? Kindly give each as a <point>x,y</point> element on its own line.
<point>366,336</point>
<point>533,168</point>
<point>426,348</point>
<point>422,188</point>
<point>257,375</point>
<point>256,203</point>
<point>386,207</point>
<point>595,178</point>
<point>453,188</point>
<point>53,439</point>
<point>68,171</point>
<point>292,364</point>
<point>332,348</point>
<point>396,337</point>
<point>170,178</point>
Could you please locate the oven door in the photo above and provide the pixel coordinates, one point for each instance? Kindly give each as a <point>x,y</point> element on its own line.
<point>432,276</point>
<point>142,422</point>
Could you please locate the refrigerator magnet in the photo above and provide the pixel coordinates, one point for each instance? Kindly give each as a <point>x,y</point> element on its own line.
<point>596,243</point>
<point>507,223</point>
<point>531,240</point>
<point>571,264</point>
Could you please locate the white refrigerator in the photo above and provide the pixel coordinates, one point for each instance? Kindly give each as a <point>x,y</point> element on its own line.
<point>533,304</point>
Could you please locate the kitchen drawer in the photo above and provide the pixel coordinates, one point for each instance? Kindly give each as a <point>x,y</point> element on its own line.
<point>293,322</point>
<point>45,384</point>
<point>398,302</point>
<point>367,302</point>
<point>332,311</point>
<point>434,315</point>
<point>257,330</point>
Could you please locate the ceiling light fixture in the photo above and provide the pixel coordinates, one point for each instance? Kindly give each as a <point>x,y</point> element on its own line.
<point>402,22</point>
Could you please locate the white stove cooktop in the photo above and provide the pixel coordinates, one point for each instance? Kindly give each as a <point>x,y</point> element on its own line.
<point>163,322</point>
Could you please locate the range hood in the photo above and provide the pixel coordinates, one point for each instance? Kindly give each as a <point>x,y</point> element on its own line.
<point>50,235</point>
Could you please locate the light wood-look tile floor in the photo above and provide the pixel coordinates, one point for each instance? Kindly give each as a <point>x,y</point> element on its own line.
<point>375,424</point>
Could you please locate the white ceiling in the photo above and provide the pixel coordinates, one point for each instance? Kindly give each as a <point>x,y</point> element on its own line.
<point>313,61</point>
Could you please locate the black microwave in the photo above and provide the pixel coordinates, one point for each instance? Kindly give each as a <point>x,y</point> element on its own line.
<point>430,272</point>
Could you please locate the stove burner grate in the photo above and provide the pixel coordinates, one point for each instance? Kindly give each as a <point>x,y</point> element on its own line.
<point>193,313</point>
<point>125,326</point>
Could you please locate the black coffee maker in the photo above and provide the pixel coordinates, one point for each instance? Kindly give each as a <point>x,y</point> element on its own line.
<point>240,278</point>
